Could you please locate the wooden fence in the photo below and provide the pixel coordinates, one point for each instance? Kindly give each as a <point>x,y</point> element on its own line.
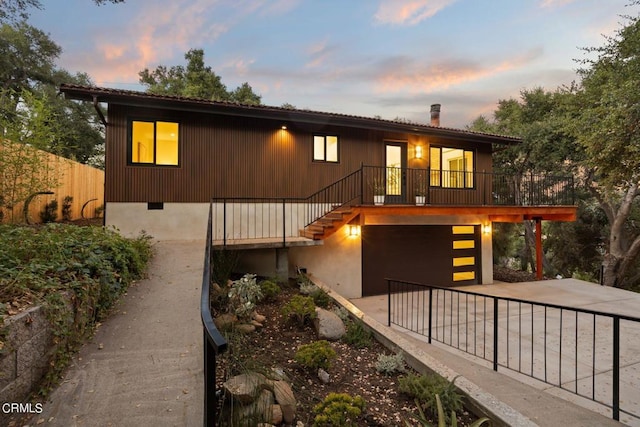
<point>83,183</point>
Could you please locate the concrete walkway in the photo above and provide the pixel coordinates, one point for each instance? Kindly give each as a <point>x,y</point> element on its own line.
<point>144,365</point>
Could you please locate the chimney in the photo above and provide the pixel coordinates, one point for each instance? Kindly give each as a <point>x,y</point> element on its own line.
<point>435,114</point>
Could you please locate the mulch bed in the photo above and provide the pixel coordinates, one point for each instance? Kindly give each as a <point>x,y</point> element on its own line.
<point>352,372</point>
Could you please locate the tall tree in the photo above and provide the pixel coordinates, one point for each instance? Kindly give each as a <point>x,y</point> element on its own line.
<point>27,64</point>
<point>196,80</point>
<point>607,124</point>
<point>546,146</point>
<point>27,56</point>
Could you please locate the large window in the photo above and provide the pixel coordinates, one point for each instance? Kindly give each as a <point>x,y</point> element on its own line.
<point>451,167</point>
<point>325,148</point>
<point>154,143</point>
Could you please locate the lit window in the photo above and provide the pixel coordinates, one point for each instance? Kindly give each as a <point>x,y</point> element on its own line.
<point>154,143</point>
<point>451,167</point>
<point>325,148</point>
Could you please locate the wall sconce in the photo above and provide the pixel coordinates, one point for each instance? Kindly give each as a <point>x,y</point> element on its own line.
<point>353,230</point>
<point>284,127</point>
<point>418,151</point>
<point>486,229</point>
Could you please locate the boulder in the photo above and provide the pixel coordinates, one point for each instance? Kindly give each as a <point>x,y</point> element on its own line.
<point>245,328</point>
<point>328,325</point>
<point>224,322</point>
<point>244,388</point>
<point>323,376</point>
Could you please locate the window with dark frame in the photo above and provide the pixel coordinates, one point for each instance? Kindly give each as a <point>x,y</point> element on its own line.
<point>326,148</point>
<point>451,167</point>
<point>154,143</point>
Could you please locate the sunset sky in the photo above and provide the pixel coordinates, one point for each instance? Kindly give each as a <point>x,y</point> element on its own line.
<point>390,58</point>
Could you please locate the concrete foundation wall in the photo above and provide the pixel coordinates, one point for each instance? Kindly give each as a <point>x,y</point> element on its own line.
<point>338,262</point>
<point>176,221</point>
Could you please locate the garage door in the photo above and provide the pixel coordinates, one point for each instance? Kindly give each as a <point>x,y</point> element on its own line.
<point>443,255</point>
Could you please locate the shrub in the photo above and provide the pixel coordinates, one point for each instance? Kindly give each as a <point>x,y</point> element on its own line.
<point>94,265</point>
<point>425,388</point>
<point>321,298</point>
<point>307,287</point>
<point>318,354</point>
<point>244,293</point>
<point>424,422</point>
<point>270,289</point>
<point>66,208</point>
<point>223,262</point>
<point>49,212</point>
<point>301,308</point>
<point>358,335</point>
<point>338,410</point>
<point>391,364</point>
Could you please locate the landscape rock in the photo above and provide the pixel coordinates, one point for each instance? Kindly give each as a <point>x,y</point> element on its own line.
<point>224,322</point>
<point>258,317</point>
<point>328,325</point>
<point>244,388</point>
<point>286,400</point>
<point>323,376</point>
<point>276,414</point>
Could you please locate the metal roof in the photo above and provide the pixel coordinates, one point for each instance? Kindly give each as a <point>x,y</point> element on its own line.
<point>288,116</point>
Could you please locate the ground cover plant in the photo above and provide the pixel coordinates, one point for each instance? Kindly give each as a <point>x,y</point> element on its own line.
<point>360,392</point>
<point>63,267</point>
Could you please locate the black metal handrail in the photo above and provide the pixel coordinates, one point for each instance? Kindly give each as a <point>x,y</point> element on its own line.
<point>214,342</point>
<point>459,188</point>
<point>243,218</point>
<point>340,193</point>
<point>470,322</point>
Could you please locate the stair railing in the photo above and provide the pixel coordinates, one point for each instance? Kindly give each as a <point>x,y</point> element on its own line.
<point>340,193</point>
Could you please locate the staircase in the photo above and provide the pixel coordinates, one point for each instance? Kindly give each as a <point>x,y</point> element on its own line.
<point>328,224</point>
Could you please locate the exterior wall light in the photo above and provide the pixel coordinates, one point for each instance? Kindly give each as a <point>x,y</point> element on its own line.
<point>284,127</point>
<point>418,151</point>
<point>353,230</point>
<point>486,229</point>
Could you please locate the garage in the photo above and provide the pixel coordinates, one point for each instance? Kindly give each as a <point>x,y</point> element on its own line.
<point>443,255</point>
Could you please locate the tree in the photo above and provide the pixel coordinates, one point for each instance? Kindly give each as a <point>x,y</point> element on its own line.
<point>18,10</point>
<point>23,167</point>
<point>546,147</point>
<point>195,80</point>
<point>27,55</point>
<point>27,63</point>
<point>606,124</point>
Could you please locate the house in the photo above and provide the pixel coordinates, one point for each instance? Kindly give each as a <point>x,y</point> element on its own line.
<point>296,188</point>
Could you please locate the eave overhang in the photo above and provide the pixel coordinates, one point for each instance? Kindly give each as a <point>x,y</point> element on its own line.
<point>284,115</point>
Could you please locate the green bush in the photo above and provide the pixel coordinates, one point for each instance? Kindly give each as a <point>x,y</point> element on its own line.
<point>300,308</point>
<point>66,208</point>
<point>49,212</point>
<point>389,365</point>
<point>357,334</point>
<point>244,293</point>
<point>318,354</point>
<point>425,388</point>
<point>94,265</point>
<point>424,422</point>
<point>321,298</point>
<point>338,410</point>
<point>270,289</point>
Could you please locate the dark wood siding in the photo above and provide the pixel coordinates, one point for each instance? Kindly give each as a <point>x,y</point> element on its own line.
<point>244,157</point>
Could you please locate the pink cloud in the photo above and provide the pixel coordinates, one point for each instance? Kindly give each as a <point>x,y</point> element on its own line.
<point>405,75</point>
<point>408,12</point>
